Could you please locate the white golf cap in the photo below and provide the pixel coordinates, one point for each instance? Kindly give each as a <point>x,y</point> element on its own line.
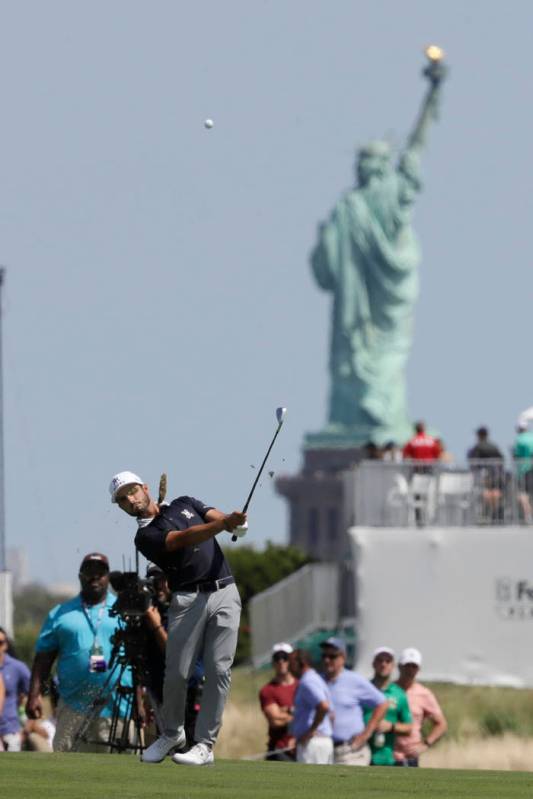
<point>410,655</point>
<point>282,647</point>
<point>383,650</point>
<point>123,479</point>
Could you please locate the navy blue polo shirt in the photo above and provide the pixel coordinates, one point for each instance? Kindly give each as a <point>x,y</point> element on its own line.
<point>192,564</point>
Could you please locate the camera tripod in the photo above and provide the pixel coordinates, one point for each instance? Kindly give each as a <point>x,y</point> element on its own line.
<point>125,731</point>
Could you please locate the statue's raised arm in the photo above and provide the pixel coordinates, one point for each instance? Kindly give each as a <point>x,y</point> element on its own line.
<point>435,72</point>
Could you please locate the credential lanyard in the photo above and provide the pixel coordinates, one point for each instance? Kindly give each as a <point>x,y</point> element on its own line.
<point>99,620</point>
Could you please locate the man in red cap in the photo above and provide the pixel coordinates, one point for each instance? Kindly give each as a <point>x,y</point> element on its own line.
<point>78,634</point>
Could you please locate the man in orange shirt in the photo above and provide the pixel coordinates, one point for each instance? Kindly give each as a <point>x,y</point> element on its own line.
<point>423,705</point>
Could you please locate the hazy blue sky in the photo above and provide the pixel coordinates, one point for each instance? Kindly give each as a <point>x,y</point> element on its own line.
<point>159,303</point>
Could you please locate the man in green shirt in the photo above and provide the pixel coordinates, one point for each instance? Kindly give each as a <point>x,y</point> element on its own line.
<point>397,720</point>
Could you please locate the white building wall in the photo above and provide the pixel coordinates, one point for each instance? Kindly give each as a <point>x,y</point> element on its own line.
<point>462,595</point>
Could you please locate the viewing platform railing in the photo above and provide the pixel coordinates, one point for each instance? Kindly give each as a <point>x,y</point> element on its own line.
<point>417,493</point>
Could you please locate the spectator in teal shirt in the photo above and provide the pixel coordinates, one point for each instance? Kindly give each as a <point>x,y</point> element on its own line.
<point>79,634</point>
<point>397,719</point>
<point>523,454</point>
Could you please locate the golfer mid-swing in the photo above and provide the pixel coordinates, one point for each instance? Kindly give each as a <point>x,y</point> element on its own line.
<point>204,613</point>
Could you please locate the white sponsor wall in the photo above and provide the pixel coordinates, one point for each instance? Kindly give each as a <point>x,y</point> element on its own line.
<point>463,596</point>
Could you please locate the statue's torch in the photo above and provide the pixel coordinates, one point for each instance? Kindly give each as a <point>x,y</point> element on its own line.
<point>435,69</point>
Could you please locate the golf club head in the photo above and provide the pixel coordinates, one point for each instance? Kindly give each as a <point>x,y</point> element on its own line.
<point>280,414</point>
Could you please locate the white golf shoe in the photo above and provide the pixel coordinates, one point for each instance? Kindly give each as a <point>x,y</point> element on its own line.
<point>160,748</point>
<point>198,755</point>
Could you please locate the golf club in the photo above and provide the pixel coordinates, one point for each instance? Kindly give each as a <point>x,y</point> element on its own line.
<point>280,416</point>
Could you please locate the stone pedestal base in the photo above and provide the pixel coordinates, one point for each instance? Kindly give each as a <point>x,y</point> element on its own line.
<point>318,512</point>
<point>315,495</point>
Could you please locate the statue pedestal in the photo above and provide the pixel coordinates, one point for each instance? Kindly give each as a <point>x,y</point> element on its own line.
<point>338,438</point>
<point>317,517</point>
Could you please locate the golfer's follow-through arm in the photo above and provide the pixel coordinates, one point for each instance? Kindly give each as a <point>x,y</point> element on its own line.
<point>217,522</point>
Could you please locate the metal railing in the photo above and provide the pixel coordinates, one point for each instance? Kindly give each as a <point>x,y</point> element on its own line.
<point>418,493</point>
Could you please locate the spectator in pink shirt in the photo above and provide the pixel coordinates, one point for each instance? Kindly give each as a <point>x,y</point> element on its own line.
<point>423,705</point>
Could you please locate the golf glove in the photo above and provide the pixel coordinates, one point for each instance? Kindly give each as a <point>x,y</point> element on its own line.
<point>241,531</point>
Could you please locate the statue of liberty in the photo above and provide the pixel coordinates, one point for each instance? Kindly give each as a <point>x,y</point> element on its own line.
<point>367,255</point>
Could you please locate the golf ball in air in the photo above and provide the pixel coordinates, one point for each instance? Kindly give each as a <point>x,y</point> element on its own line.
<point>208,123</point>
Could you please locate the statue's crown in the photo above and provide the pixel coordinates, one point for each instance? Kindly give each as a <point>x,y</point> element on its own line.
<point>375,149</point>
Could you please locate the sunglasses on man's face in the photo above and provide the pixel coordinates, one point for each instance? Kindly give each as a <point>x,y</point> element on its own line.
<point>92,571</point>
<point>330,655</point>
<point>3,641</point>
<point>280,656</point>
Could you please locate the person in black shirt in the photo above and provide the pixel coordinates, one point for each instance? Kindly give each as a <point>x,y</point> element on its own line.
<point>204,613</point>
<point>487,466</point>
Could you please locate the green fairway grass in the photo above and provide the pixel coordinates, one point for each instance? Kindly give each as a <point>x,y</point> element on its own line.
<point>30,775</point>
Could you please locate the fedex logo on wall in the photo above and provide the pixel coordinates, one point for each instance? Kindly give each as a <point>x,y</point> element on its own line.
<point>514,598</point>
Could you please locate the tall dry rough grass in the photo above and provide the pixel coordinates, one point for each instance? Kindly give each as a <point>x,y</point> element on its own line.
<point>504,753</point>
<point>243,735</point>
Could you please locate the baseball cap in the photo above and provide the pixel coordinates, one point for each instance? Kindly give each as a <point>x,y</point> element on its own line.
<point>335,643</point>
<point>383,650</point>
<point>410,655</point>
<point>123,479</point>
<point>95,557</point>
<point>282,647</point>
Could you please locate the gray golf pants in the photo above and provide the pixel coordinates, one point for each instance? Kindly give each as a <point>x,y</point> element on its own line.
<point>206,625</point>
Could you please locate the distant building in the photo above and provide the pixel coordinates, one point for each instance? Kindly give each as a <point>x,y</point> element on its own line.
<point>18,565</point>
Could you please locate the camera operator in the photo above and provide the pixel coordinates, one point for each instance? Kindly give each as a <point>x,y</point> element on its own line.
<point>204,612</point>
<point>156,625</point>
<point>79,634</point>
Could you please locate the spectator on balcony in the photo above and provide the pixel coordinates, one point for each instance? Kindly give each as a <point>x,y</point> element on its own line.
<point>423,450</point>
<point>371,452</point>
<point>424,708</point>
<point>523,455</point>
<point>277,704</point>
<point>484,447</point>
<point>422,446</point>
<point>489,477</point>
<point>392,453</point>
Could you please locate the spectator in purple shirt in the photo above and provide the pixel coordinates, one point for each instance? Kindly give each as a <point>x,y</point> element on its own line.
<point>311,725</point>
<point>16,678</point>
<point>350,695</point>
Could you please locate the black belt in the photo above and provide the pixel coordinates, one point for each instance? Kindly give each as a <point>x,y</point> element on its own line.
<point>341,743</point>
<point>208,586</point>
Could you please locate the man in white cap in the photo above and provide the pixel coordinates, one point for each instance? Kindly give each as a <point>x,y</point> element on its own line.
<point>398,719</point>
<point>277,704</point>
<point>204,613</point>
<point>423,705</point>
